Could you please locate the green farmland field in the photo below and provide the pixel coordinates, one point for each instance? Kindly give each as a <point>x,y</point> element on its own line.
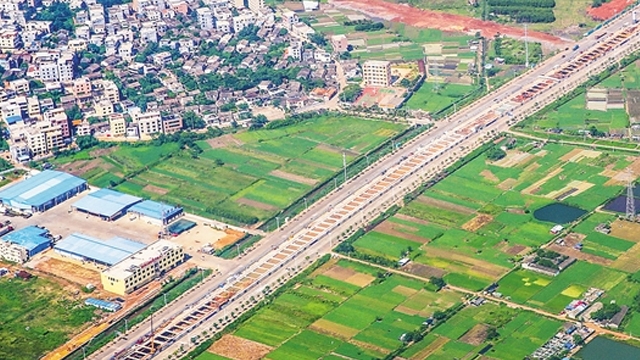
<point>253,174</point>
<point>37,316</point>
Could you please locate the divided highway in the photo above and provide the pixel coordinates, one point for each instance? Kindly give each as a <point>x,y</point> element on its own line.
<point>312,233</point>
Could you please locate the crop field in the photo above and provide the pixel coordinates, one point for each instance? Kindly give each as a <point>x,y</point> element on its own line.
<point>37,316</point>
<point>244,176</point>
<point>343,309</point>
<point>433,97</point>
<point>475,223</point>
<point>574,117</point>
<point>465,335</point>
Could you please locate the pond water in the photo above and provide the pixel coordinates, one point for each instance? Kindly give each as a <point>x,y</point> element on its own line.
<point>602,348</point>
<point>558,213</point>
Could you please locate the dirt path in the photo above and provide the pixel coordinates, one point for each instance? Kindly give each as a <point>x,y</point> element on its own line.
<point>442,21</point>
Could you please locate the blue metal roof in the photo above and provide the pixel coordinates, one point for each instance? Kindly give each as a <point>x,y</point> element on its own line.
<point>106,202</point>
<point>103,304</point>
<point>30,237</point>
<point>39,189</point>
<point>106,252</point>
<point>156,210</point>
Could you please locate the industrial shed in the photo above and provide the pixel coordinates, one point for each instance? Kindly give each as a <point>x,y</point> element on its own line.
<point>42,191</point>
<point>86,248</point>
<point>105,203</point>
<point>21,245</point>
<point>155,212</point>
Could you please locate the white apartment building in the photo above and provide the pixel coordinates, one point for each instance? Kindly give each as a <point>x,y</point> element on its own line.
<point>10,39</point>
<point>243,20</point>
<point>205,18</point>
<point>148,122</point>
<point>376,72</point>
<point>256,5</point>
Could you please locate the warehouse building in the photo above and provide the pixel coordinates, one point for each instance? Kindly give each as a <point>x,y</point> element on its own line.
<point>105,203</point>
<point>21,245</point>
<point>42,191</point>
<point>155,213</point>
<point>86,248</point>
<point>142,267</point>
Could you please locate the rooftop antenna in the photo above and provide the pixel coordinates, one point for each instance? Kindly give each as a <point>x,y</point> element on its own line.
<point>526,47</point>
<point>631,204</point>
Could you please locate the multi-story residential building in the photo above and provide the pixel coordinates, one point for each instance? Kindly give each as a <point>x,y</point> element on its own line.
<point>295,50</point>
<point>239,4</point>
<point>58,67</point>
<point>205,18</point>
<point>243,20</point>
<point>20,86</point>
<point>256,5</point>
<point>81,87</point>
<point>142,267</point>
<point>148,33</point>
<point>103,108</point>
<point>58,117</point>
<point>106,90</point>
<point>171,124</point>
<point>33,107</point>
<point>377,72</point>
<point>117,125</point>
<point>10,40</point>
<point>290,18</point>
<point>148,122</point>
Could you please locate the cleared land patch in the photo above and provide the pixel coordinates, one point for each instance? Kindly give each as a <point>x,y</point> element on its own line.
<point>238,348</point>
<point>476,335</point>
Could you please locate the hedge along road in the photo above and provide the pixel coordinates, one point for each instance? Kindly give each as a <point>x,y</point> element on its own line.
<point>467,115</point>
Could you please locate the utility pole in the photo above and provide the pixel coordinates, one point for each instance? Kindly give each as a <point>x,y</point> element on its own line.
<point>164,295</point>
<point>238,248</point>
<point>344,165</point>
<point>306,206</point>
<point>526,47</point>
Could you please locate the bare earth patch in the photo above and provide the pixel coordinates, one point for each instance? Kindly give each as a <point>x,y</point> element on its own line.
<point>487,174</point>
<point>231,237</point>
<point>224,141</point>
<point>476,335</point>
<point>535,187</point>
<point>155,190</point>
<point>389,228</point>
<point>513,158</point>
<point>339,273</point>
<point>360,279</point>
<point>411,219</point>
<point>293,177</point>
<point>570,251</point>
<point>445,205</point>
<point>238,348</point>
<point>626,230</point>
<point>403,290</point>
<point>256,204</point>
<point>331,328</point>
<point>432,348</point>
<point>423,270</point>
<point>67,270</point>
<point>516,249</point>
<point>477,222</point>
<point>507,184</point>
<point>629,260</point>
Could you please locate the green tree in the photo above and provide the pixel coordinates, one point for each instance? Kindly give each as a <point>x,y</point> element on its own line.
<point>74,113</point>
<point>59,14</point>
<point>606,312</point>
<point>191,120</point>
<point>350,93</point>
<point>86,142</point>
<point>437,282</point>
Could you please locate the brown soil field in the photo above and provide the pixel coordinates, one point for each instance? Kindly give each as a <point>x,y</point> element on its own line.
<point>360,280</point>
<point>403,290</point>
<point>331,328</point>
<point>609,9</point>
<point>423,270</point>
<point>477,222</point>
<point>293,177</point>
<point>339,273</point>
<point>411,219</point>
<point>445,205</point>
<point>440,20</point>
<point>516,249</point>
<point>487,174</point>
<point>626,230</point>
<point>155,190</point>
<point>507,184</point>
<point>389,228</point>
<point>570,251</point>
<point>231,237</point>
<point>256,204</point>
<point>432,348</point>
<point>476,335</point>
<point>67,270</point>
<point>238,348</point>
<point>224,140</point>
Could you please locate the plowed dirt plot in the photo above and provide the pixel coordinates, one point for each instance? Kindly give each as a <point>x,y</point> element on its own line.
<point>224,141</point>
<point>626,230</point>
<point>331,328</point>
<point>445,205</point>
<point>230,238</point>
<point>609,10</point>
<point>439,20</point>
<point>401,231</point>
<point>238,348</point>
<point>477,222</point>
<point>72,272</point>
<point>487,174</point>
<point>476,335</point>
<point>423,270</point>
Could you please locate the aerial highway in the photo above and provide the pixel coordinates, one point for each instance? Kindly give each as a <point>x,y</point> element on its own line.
<point>312,233</point>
